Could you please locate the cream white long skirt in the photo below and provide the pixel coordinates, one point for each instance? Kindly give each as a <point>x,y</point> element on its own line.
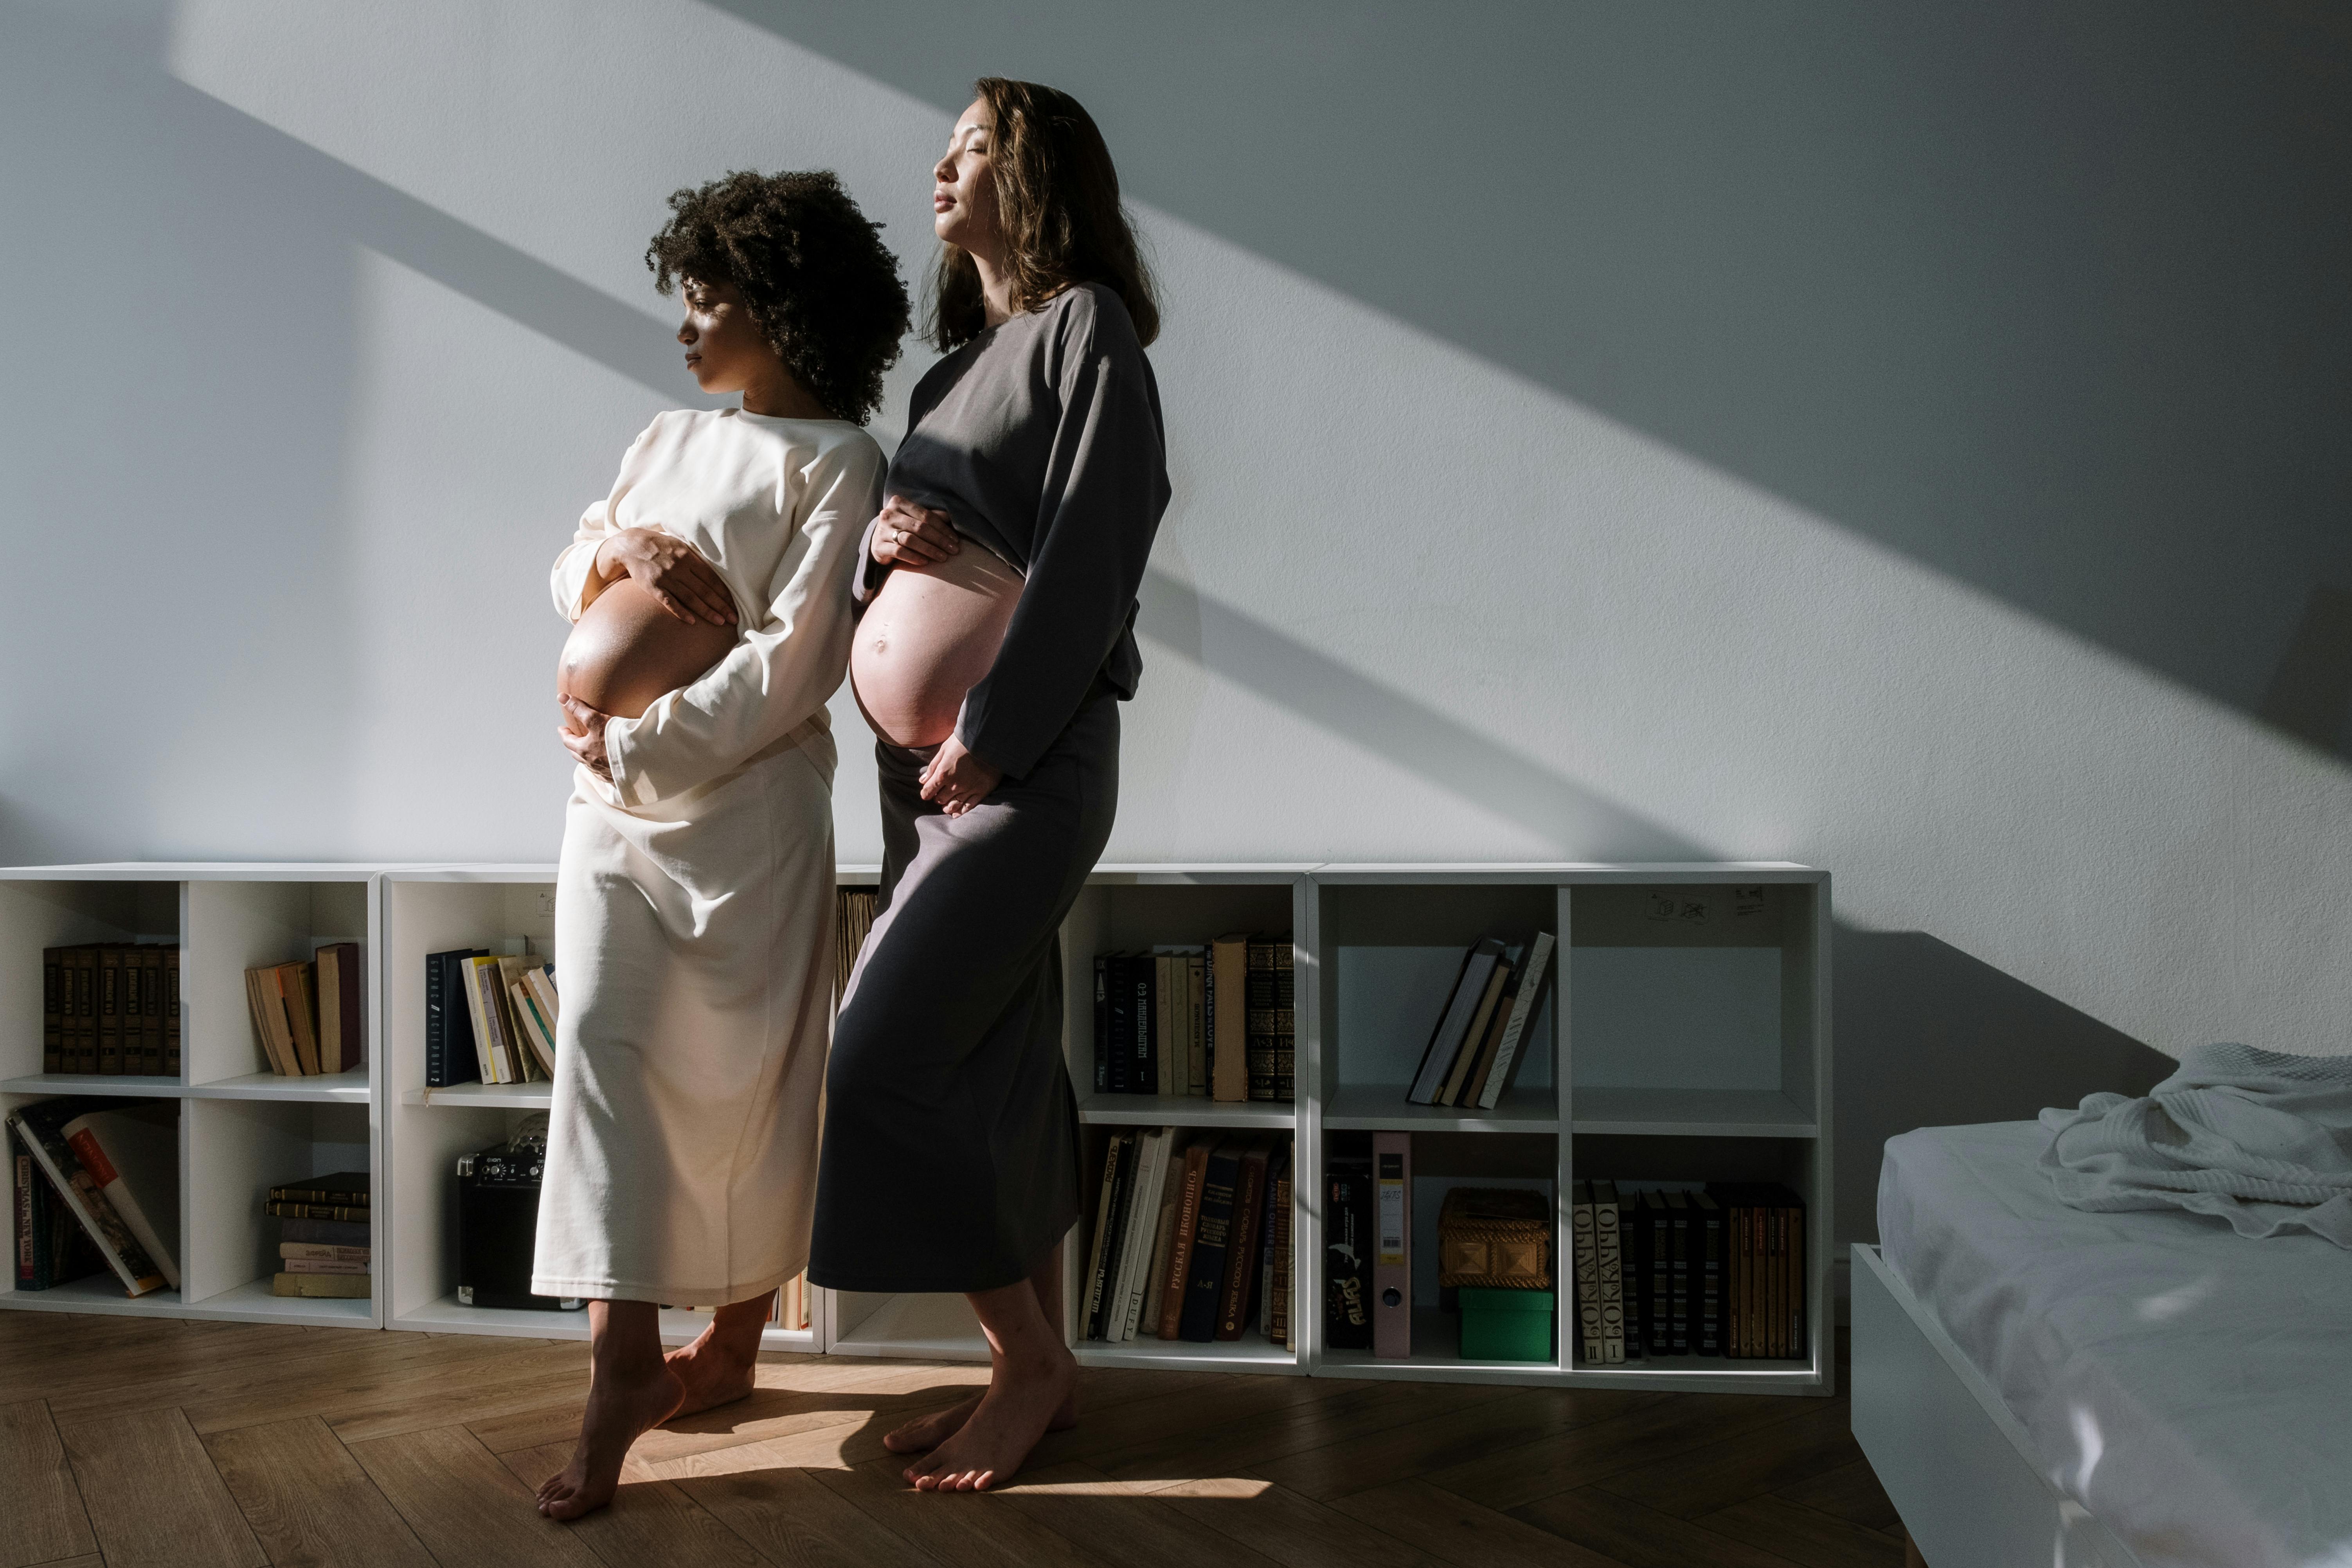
<point>694,955</point>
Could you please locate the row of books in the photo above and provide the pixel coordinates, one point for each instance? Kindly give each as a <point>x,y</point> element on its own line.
<point>1191,1238</point>
<point>489,1017</point>
<point>1163,1018</point>
<point>307,1016</point>
<point>106,1168</point>
<point>1475,1047</point>
<point>1719,1271</point>
<point>852,919</point>
<point>324,1246</point>
<point>110,1007</point>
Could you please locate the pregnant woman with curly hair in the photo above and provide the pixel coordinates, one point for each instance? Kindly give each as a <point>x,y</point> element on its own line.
<point>694,898</point>
<point>991,657</point>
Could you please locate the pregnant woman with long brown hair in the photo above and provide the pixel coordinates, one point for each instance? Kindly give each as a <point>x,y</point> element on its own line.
<point>710,592</point>
<point>990,658</point>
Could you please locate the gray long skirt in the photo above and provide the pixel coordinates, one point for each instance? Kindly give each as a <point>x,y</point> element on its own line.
<point>950,1155</point>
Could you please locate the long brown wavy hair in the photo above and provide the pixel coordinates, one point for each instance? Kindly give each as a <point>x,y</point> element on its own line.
<point>1057,206</point>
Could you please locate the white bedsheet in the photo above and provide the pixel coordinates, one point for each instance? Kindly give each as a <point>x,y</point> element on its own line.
<point>2190,1386</point>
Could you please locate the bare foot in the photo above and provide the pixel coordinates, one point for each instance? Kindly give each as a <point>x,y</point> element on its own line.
<point>711,1373</point>
<point>925,1432</point>
<point>995,1440</point>
<point>619,1411</point>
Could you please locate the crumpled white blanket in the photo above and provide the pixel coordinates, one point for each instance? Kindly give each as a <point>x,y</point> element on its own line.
<point>2262,1140</point>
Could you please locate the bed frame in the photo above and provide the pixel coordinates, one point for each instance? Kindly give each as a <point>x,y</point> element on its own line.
<point>1958,1467</point>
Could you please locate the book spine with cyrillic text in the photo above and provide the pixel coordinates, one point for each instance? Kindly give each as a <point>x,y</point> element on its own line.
<point>1204,1275</point>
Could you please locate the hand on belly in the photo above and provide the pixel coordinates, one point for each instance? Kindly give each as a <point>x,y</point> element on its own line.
<point>929,637</point>
<point>625,652</point>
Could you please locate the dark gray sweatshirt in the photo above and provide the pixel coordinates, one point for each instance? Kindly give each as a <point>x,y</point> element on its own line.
<point>1042,440</point>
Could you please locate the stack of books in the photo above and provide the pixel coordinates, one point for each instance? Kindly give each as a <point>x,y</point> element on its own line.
<point>488,1016</point>
<point>308,1015</point>
<point>1191,1238</point>
<point>1163,1018</point>
<point>322,1237</point>
<point>97,1186</point>
<point>112,1007</point>
<point>1475,1048</point>
<point>1712,1270</point>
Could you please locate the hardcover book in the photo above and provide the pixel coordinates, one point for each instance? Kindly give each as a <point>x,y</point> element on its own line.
<point>1609,1259</point>
<point>1102,1023</point>
<point>1204,1275</point>
<point>1514,1044</point>
<point>147,965</point>
<point>1229,962</point>
<point>346,1187</point>
<point>109,1009</point>
<point>1588,1271</point>
<point>131,1153</point>
<point>53,1010</point>
<point>171,1012</point>
<point>1180,1249</point>
<point>449,1053</point>
<point>1121,1010</point>
<point>1249,1212</point>
<point>1707,1332</point>
<point>342,1044</point>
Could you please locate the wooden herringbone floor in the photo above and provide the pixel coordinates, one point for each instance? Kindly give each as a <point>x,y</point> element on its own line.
<point>132,1442</point>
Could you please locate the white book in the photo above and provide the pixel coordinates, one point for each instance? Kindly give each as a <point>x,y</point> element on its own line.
<point>1609,1259</point>
<point>134,1155</point>
<point>1522,1009</point>
<point>1152,1259</point>
<point>1142,1215</point>
<point>1588,1272</point>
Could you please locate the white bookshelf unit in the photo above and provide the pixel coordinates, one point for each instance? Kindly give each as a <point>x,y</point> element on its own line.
<point>1683,1038</point>
<point>243,1129</point>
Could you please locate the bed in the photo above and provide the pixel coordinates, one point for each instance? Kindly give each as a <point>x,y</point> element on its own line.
<point>2035,1384</point>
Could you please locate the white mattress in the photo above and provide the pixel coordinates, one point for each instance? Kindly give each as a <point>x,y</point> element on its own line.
<point>2189,1386</point>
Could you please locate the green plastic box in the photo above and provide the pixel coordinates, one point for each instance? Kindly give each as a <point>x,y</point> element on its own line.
<point>1506,1325</point>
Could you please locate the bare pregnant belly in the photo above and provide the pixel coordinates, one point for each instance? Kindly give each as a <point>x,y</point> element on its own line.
<point>928,638</point>
<point>626,652</point>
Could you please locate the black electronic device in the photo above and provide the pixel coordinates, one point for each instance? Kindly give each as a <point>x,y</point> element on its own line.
<point>497,1226</point>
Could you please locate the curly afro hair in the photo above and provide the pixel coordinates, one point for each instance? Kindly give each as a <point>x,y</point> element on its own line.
<point>820,283</point>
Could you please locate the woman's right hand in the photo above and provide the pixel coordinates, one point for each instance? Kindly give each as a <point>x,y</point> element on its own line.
<point>905,534</point>
<point>686,586</point>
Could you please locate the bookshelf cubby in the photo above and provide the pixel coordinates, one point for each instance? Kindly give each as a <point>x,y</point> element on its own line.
<point>1682,1038</point>
<point>1252,1353</point>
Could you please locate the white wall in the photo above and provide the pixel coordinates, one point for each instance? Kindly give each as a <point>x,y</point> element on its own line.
<point>1556,475</point>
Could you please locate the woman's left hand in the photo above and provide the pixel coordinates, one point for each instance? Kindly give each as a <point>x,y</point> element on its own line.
<point>583,735</point>
<point>957,780</point>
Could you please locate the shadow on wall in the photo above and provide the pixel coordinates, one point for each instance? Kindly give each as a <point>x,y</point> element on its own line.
<point>203,269</point>
<point>1925,1036</point>
<point>2054,299</point>
<point>1928,1036</point>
